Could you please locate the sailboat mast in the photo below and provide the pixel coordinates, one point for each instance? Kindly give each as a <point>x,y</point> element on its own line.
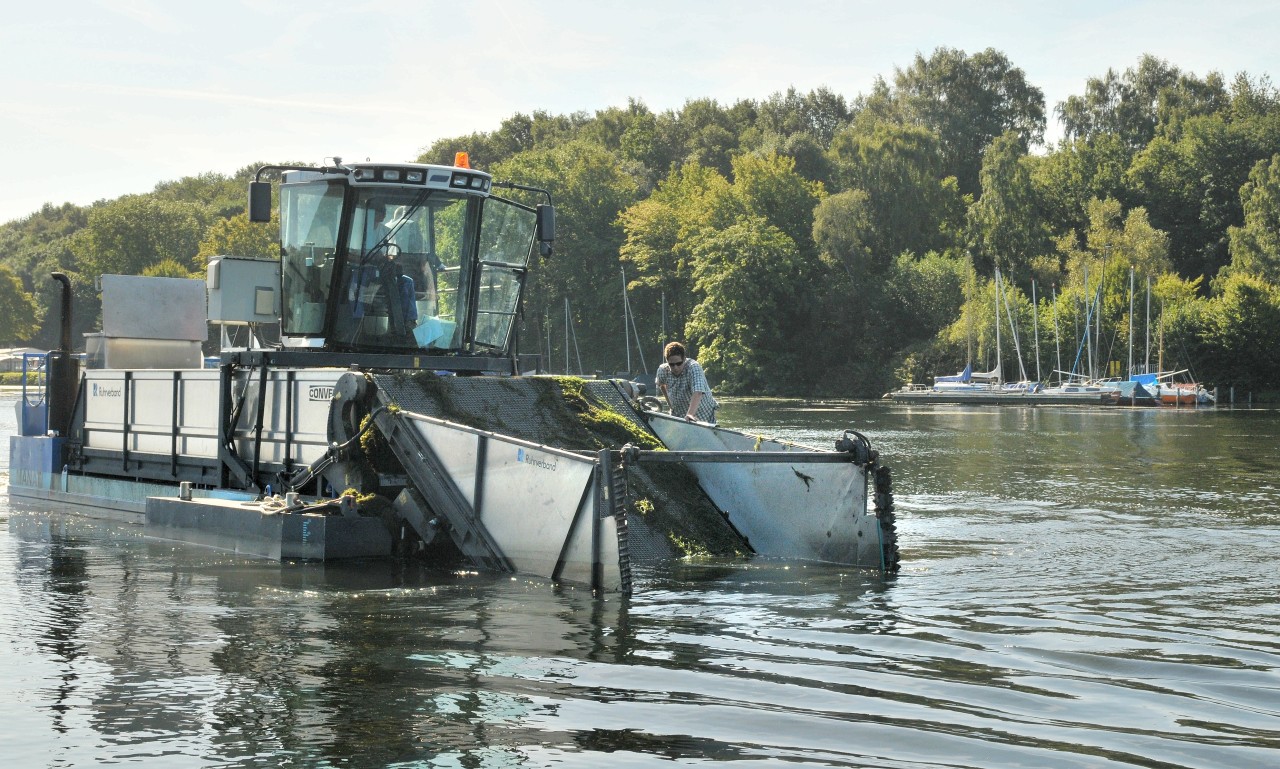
<point>1035,324</point>
<point>1146,368</point>
<point>1160,333</point>
<point>970,288</point>
<point>626,317</point>
<point>999,366</point>
<point>1057,338</point>
<point>566,336</point>
<point>636,333</point>
<point>1088,342</point>
<point>1131,321</point>
<point>1097,318</point>
<point>664,326</point>
<point>1013,331</point>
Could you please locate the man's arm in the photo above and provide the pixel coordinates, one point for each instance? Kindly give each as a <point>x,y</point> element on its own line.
<point>699,386</point>
<point>692,414</point>
<point>662,388</point>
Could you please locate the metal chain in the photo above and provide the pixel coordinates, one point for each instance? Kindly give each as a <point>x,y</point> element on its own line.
<point>884,511</point>
<point>622,510</point>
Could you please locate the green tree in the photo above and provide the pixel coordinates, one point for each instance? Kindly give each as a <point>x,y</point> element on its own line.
<point>1005,224</point>
<point>1255,245</point>
<point>128,235</point>
<point>809,157</point>
<point>632,134</point>
<point>843,230</point>
<point>967,101</point>
<point>1077,172</point>
<point>169,268</point>
<point>768,186</point>
<point>867,310</point>
<point>747,328</point>
<point>34,247</point>
<point>518,133</point>
<point>1190,184</point>
<point>926,292</point>
<point>219,196</point>
<point>590,187</point>
<point>238,236</point>
<point>27,240</point>
<point>18,311</point>
<point>1240,334</point>
<point>819,114</point>
<point>914,205</point>
<point>1136,106</point>
<point>640,142</point>
<point>922,298</point>
<point>666,234</point>
<point>706,133</point>
<point>662,231</point>
<point>1115,235</point>
<point>1115,243</point>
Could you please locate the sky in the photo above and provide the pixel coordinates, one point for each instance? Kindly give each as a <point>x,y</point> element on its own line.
<point>103,98</point>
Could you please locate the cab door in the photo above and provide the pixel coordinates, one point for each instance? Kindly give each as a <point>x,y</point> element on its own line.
<point>507,233</point>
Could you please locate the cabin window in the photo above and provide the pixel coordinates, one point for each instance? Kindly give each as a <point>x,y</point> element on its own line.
<point>309,218</point>
<point>507,232</point>
<point>405,262</point>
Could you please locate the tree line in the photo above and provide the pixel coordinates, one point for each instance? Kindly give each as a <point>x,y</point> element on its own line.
<point>811,244</point>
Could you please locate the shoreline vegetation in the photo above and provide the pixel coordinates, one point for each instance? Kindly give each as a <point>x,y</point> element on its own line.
<point>829,246</point>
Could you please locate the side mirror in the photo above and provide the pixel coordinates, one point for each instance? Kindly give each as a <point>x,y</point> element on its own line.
<point>259,201</point>
<point>546,228</point>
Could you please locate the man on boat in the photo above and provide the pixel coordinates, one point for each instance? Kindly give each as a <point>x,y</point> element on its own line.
<point>685,387</point>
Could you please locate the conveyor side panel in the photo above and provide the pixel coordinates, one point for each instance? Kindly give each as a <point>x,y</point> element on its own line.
<point>512,505</point>
<point>801,509</point>
<point>433,480</point>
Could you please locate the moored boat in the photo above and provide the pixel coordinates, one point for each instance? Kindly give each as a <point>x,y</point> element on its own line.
<point>985,389</point>
<point>1132,393</point>
<point>1174,392</point>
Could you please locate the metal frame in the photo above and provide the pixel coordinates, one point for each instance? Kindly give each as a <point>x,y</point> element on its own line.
<point>301,359</point>
<point>433,482</point>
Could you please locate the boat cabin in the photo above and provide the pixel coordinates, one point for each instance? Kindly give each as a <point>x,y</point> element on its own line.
<point>403,258</point>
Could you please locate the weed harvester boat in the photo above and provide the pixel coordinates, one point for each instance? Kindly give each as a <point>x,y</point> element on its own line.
<point>369,401</point>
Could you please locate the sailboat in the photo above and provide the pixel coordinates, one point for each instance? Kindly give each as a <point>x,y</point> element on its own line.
<point>1074,383</point>
<point>1023,384</point>
<point>1170,388</point>
<point>969,380</point>
<point>988,388</point>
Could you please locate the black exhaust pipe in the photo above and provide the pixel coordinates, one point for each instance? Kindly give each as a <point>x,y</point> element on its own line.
<point>62,369</point>
<point>65,345</point>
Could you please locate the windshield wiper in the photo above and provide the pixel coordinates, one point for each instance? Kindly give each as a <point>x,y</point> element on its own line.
<point>385,240</point>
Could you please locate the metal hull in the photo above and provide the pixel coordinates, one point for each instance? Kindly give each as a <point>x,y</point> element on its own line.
<point>185,451</point>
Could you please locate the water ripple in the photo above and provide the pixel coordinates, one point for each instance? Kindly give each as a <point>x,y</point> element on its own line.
<point>1063,603</point>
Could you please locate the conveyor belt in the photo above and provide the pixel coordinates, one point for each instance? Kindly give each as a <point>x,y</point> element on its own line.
<point>668,515</point>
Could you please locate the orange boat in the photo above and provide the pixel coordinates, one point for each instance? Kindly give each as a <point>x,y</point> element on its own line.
<point>1180,393</point>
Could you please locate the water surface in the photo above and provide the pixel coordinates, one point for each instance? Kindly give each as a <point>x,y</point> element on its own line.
<point>1080,588</point>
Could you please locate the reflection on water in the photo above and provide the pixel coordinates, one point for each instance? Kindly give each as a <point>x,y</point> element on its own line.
<point>1079,589</point>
